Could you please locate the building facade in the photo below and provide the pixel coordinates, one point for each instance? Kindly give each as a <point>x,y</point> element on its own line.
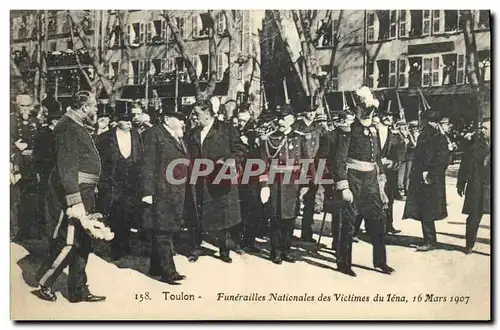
<point>397,50</point>
<point>156,66</point>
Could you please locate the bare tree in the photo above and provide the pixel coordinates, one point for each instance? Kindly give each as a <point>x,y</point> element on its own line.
<point>472,66</point>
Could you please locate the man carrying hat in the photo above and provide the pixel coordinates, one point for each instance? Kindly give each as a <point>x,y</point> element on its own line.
<point>282,150</point>
<point>359,179</point>
<point>121,151</point>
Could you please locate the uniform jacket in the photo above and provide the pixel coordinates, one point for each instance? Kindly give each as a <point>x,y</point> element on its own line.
<point>361,143</point>
<point>171,202</point>
<point>313,134</point>
<point>109,151</point>
<point>23,131</point>
<point>77,159</point>
<point>286,149</point>
<point>475,171</point>
<point>427,202</point>
<point>219,203</point>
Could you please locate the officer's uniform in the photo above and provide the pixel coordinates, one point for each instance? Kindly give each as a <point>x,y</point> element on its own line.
<point>72,181</point>
<point>358,168</point>
<point>313,133</point>
<point>286,150</point>
<point>27,213</point>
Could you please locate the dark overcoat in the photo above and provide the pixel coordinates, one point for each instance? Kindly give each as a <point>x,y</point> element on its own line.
<point>219,203</point>
<point>171,201</point>
<point>113,188</point>
<point>427,202</point>
<point>475,171</point>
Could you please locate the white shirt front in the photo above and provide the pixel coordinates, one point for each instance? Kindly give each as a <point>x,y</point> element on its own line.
<point>124,140</point>
<point>205,130</point>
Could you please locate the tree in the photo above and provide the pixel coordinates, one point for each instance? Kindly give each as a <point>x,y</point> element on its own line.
<point>476,81</point>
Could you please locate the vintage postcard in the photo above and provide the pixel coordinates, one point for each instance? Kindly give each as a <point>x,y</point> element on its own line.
<point>250,164</point>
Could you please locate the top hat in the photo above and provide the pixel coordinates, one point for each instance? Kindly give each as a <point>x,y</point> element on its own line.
<point>123,110</point>
<point>104,110</point>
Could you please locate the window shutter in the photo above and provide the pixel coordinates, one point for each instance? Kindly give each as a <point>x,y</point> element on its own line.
<point>375,72</point>
<point>194,21</point>
<point>198,67</point>
<point>131,73</point>
<point>141,33</point>
<point>141,73</point>
<point>130,33</point>
<point>164,28</point>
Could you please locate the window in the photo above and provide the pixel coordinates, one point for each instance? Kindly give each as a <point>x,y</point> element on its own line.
<point>196,25</point>
<point>482,19</point>
<point>403,73</point>
<point>136,34</point>
<point>437,22</point>
<point>431,73</point>
<point>53,46</point>
<point>450,69</point>
<point>403,23</point>
<point>180,27</point>
<point>220,66</point>
<point>393,24</point>
<point>171,64</point>
<point>52,23</point>
<point>460,69</point>
<point>451,20</point>
<point>371,27</point>
<point>335,78</point>
<point>415,71</point>
<point>200,25</point>
<point>384,23</point>
<point>204,68</point>
<point>426,22</point>
<point>164,34</point>
<point>149,32</point>
<point>115,40</point>
<point>392,73</point>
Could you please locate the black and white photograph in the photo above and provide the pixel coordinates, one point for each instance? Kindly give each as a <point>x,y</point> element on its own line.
<point>230,164</point>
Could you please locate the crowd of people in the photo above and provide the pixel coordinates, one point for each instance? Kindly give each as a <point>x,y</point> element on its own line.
<point>67,164</point>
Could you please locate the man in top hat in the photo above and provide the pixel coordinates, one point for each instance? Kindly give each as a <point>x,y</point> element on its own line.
<point>71,197</point>
<point>219,143</point>
<point>121,151</point>
<point>282,151</point>
<point>475,174</point>
<point>426,200</point>
<point>23,130</point>
<point>359,179</point>
<point>170,203</point>
<point>313,131</point>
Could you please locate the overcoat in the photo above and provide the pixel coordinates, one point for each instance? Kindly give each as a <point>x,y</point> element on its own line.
<point>427,202</point>
<point>218,203</point>
<point>475,171</point>
<point>172,201</point>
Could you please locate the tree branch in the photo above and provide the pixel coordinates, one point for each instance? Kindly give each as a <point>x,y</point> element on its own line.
<point>78,62</point>
<point>213,51</point>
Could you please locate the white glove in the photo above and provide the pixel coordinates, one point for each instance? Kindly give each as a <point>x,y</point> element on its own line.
<point>244,139</point>
<point>424,176</point>
<point>77,211</point>
<point>386,161</point>
<point>347,195</point>
<point>265,192</point>
<point>148,199</point>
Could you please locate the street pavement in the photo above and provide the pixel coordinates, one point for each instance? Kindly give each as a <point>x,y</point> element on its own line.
<point>420,277</point>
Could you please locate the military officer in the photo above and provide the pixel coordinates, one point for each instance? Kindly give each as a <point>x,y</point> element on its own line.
<point>282,150</point>
<point>359,179</point>
<point>23,131</point>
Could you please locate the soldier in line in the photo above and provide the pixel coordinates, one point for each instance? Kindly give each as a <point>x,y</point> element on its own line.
<point>121,151</point>
<point>426,200</point>
<point>359,179</point>
<point>23,130</point>
<point>475,174</point>
<point>313,130</point>
<point>70,198</point>
<point>287,146</point>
